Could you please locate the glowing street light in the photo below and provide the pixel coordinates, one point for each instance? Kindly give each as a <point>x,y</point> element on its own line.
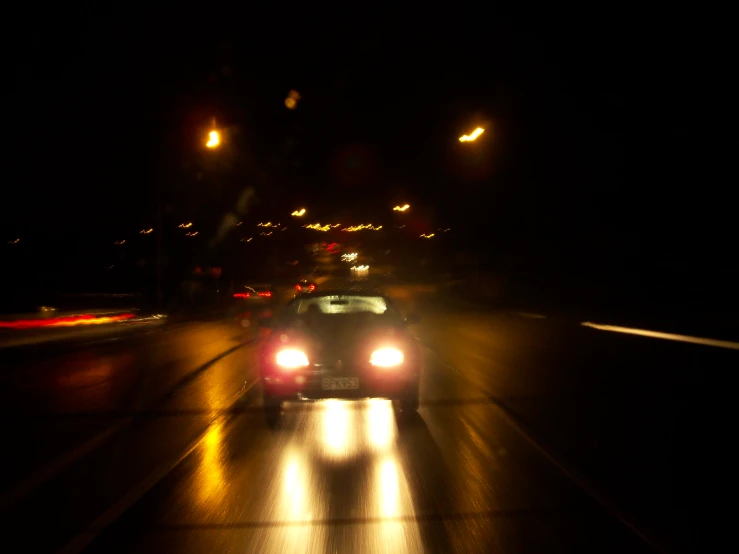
<point>401,208</point>
<point>185,225</point>
<point>299,213</point>
<point>472,136</point>
<point>427,236</point>
<point>291,102</point>
<point>214,139</point>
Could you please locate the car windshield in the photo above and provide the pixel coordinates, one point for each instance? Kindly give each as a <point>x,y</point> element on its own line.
<point>340,304</point>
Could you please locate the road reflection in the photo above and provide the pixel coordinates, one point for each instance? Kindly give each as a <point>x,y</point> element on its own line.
<point>339,439</point>
<point>211,478</point>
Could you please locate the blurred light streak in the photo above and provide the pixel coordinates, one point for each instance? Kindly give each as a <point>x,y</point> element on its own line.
<point>185,225</point>
<point>268,224</point>
<point>401,208</point>
<point>146,231</point>
<point>239,223</point>
<point>265,234</point>
<point>192,234</point>
<point>472,136</point>
<point>362,227</point>
<point>68,321</point>
<point>16,241</point>
<point>666,336</point>
<point>299,213</point>
<point>318,227</point>
<point>246,240</point>
<point>427,236</point>
<point>119,242</point>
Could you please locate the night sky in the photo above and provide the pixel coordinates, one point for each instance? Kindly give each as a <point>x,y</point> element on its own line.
<point>594,152</point>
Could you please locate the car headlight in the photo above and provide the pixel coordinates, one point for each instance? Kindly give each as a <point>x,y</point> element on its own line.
<point>292,359</point>
<point>386,357</point>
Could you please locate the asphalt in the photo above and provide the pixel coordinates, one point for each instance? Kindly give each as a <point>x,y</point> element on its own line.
<point>534,434</point>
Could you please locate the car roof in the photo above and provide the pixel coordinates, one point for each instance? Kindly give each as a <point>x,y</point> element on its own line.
<point>344,291</point>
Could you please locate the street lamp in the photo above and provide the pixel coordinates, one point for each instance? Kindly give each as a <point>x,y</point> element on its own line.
<point>298,213</point>
<point>214,139</point>
<point>401,208</point>
<point>472,136</point>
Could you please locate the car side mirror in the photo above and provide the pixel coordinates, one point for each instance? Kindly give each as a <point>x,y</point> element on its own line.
<point>412,319</point>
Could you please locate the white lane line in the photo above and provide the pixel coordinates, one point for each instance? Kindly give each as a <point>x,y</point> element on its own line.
<point>666,336</point>
<point>587,486</point>
<point>47,472</point>
<point>114,512</point>
<point>32,482</point>
<point>584,484</point>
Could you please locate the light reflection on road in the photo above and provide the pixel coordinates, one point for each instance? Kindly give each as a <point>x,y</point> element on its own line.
<point>211,479</point>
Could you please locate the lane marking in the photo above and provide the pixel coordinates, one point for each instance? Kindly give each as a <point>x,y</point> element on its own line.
<point>114,512</point>
<point>35,480</point>
<point>666,336</point>
<point>594,492</point>
<point>530,315</point>
<point>28,485</point>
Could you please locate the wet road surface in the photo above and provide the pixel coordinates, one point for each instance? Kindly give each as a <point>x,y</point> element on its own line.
<point>160,444</point>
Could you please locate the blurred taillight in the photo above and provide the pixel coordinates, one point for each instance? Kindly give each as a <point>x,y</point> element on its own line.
<point>312,287</point>
<point>241,295</point>
<point>267,294</point>
<point>297,287</point>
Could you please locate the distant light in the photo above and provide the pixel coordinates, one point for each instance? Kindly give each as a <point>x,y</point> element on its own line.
<point>299,213</point>
<point>120,242</point>
<point>191,234</point>
<point>291,102</point>
<point>16,241</point>
<point>318,227</point>
<point>246,240</point>
<point>476,133</point>
<point>362,227</point>
<point>146,231</point>
<point>401,208</point>
<point>214,139</point>
<point>185,225</point>
<point>427,236</point>
<point>239,223</point>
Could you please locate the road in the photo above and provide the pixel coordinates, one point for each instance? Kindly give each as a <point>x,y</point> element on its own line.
<point>532,436</point>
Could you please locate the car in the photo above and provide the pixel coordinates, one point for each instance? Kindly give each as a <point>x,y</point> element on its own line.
<point>304,285</point>
<point>349,343</point>
<point>254,294</point>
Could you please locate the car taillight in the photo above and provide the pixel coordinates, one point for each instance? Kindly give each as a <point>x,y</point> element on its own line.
<point>267,294</point>
<point>291,359</point>
<point>297,287</point>
<point>312,288</point>
<point>241,295</point>
<point>386,357</point>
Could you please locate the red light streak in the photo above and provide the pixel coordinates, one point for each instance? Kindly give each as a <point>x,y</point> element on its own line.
<point>86,319</point>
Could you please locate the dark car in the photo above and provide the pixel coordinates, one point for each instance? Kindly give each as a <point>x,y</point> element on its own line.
<point>305,285</point>
<point>340,344</point>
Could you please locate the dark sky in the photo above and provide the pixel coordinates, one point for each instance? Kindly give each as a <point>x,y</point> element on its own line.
<point>592,121</point>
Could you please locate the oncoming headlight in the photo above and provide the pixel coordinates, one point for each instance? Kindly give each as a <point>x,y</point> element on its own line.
<point>292,359</point>
<point>386,357</point>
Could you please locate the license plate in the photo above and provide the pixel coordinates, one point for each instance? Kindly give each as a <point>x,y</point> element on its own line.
<point>340,383</point>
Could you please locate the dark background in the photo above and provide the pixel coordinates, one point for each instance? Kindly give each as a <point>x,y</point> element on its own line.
<point>602,167</point>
